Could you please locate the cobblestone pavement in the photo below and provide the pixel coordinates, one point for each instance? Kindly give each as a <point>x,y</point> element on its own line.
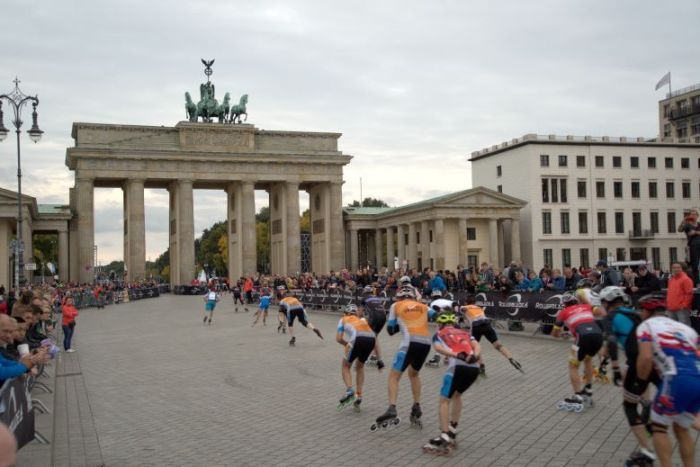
<point>166,390</point>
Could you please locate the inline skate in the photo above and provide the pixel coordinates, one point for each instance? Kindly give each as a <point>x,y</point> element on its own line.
<point>640,458</point>
<point>439,446</point>
<point>433,362</point>
<point>386,420</point>
<point>346,400</point>
<point>416,414</point>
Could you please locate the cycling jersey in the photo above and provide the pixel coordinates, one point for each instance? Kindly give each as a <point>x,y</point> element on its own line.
<point>624,323</point>
<point>474,313</point>
<point>353,327</point>
<point>457,340</point>
<point>411,318</point>
<point>574,316</point>
<point>675,346</point>
<point>265,302</point>
<point>290,303</point>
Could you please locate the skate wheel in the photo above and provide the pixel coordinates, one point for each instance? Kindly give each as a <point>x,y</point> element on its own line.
<point>374,427</point>
<point>396,421</point>
<point>578,408</point>
<point>561,405</point>
<point>384,425</point>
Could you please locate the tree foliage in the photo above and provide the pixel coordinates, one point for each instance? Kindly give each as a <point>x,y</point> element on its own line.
<point>369,203</point>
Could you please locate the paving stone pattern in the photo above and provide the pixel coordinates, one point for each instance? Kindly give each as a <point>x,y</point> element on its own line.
<point>166,390</point>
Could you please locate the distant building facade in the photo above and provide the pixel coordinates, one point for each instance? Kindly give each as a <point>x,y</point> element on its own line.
<point>679,116</point>
<point>595,198</point>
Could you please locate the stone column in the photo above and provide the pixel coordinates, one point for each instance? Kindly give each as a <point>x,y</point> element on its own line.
<point>186,231</point>
<point>74,262</point>
<point>390,248</point>
<point>515,239</point>
<point>412,246</point>
<point>293,229</point>
<point>353,249</point>
<point>463,245</point>
<point>250,255</point>
<point>6,275</point>
<point>319,204</point>
<point>63,272</point>
<point>134,230</point>
<point>439,237</point>
<point>378,250</point>
<point>493,242</point>
<point>84,200</point>
<point>336,224</point>
<point>233,220</point>
<point>425,243</point>
<point>400,245</point>
<point>174,229</point>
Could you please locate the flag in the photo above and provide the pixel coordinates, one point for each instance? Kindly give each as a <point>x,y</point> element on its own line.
<point>663,81</point>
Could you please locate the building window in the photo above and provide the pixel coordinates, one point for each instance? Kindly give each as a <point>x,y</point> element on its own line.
<point>619,222</point>
<point>471,233</point>
<point>617,162</point>
<point>667,110</point>
<point>656,257</point>
<point>651,162</point>
<point>617,189</point>
<point>682,131</point>
<point>602,227</point>
<point>417,238</point>
<point>654,221</point>
<point>563,191</point>
<point>581,188</point>
<point>545,190</point>
<point>430,236</point>
<point>672,255</point>
<point>600,189</point>
<point>653,192</point>
<point>565,228</point>
<point>565,257</point>
<point>563,162</point>
<point>547,256</point>
<point>500,188</point>
<point>668,161</point>
<point>603,253</point>
<point>634,162</point>
<point>582,222</point>
<point>544,160</point>
<point>473,261</point>
<point>671,222</point>
<point>555,190</point>
<point>695,126</point>
<point>635,189</point>
<point>667,130</point>
<point>499,171</point>
<point>637,223</point>
<point>580,161</point>
<point>620,254</point>
<point>685,188</point>
<point>685,163</point>
<point>583,257</point>
<point>546,222</point>
<point>599,161</point>
<point>670,190</point>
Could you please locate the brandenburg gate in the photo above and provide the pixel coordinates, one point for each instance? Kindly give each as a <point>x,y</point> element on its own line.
<point>235,158</point>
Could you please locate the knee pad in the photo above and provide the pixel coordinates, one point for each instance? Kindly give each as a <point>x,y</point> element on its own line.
<point>631,413</point>
<point>574,362</point>
<point>498,346</point>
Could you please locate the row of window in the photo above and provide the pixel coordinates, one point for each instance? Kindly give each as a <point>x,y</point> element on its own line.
<point>602,225</point>
<point>554,190</point>
<point>620,255</point>
<point>563,161</point>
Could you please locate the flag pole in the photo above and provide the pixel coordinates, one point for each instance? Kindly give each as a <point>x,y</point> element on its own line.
<point>669,84</point>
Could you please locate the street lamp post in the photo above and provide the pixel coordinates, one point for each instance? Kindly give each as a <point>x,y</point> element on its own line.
<point>17,100</point>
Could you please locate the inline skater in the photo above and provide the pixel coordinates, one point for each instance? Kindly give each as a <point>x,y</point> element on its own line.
<point>281,312</point>
<point>624,320</point>
<point>356,336</point>
<point>210,300</point>
<point>673,350</point>
<point>586,294</point>
<point>481,326</point>
<point>462,350</point>
<point>294,309</point>
<point>373,309</point>
<point>262,308</point>
<point>238,297</point>
<point>411,318</point>
<point>439,305</point>
<point>588,338</point>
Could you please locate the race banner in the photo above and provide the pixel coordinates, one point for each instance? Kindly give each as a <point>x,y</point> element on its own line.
<point>16,409</point>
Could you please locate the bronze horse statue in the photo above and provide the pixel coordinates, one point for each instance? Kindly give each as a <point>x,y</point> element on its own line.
<point>238,110</point>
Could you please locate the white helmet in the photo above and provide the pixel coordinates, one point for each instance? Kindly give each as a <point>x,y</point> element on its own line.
<point>436,294</point>
<point>405,280</point>
<point>611,293</point>
<point>406,292</point>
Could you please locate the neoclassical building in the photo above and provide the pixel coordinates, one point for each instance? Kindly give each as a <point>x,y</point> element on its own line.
<point>463,228</point>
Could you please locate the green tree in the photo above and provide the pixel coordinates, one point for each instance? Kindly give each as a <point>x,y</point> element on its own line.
<point>45,251</point>
<point>262,245</point>
<point>369,203</point>
<point>207,249</point>
<point>305,222</point>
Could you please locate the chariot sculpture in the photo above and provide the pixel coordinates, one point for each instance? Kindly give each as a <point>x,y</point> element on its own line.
<point>208,108</point>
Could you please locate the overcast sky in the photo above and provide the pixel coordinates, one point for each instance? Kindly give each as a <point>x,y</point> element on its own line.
<point>414,86</point>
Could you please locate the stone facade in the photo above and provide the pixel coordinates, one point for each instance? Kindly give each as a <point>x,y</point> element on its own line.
<point>234,158</point>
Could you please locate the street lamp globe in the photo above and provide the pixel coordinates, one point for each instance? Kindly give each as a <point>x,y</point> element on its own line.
<point>34,132</point>
<point>3,131</point>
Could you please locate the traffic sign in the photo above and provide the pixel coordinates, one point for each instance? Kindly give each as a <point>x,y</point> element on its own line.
<point>30,266</point>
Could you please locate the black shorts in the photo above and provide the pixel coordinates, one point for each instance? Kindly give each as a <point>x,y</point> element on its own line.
<point>458,379</point>
<point>361,349</point>
<point>484,329</point>
<point>297,313</point>
<point>377,320</point>
<point>631,383</point>
<point>414,355</point>
<point>588,343</point>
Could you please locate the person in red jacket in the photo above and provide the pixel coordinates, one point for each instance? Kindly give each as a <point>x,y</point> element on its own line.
<point>69,313</point>
<point>679,296</point>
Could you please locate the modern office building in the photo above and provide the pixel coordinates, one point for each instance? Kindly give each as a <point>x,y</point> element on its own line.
<point>679,116</point>
<point>594,198</point>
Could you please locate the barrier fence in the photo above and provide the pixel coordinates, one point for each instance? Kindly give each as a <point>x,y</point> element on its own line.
<point>87,299</point>
<point>16,409</point>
